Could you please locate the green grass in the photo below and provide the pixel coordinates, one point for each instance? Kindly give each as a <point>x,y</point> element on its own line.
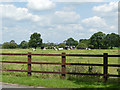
<point>56,83</point>
<point>49,80</point>
<point>97,60</point>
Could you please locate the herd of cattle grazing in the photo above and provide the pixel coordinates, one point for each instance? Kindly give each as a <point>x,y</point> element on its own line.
<point>57,49</point>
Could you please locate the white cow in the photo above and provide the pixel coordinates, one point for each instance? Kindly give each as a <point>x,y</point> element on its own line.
<point>44,48</point>
<point>55,48</point>
<point>68,48</point>
<point>33,49</point>
<point>60,48</point>
<point>88,49</point>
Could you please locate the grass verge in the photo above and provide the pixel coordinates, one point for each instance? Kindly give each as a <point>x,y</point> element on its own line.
<point>55,83</point>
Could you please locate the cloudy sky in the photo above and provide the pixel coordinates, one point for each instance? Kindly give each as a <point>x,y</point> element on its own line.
<point>57,20</point>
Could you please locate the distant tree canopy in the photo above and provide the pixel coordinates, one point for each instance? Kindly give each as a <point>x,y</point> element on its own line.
<point>98,40</point>
<point>112,40</point>
<point>62,45</point>
<point>9,45</point>
<point>24,44</point>
<point>71,42</point>
<point>86,42</point>
<point>81,46</point>
<point>5,45</point>
<point>35,40</point>
<point>49,45</point>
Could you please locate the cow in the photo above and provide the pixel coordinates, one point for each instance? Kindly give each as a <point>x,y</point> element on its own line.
<point>67,47</point>
<point>42,47</point>
<point>33,49</point>
<point>55,48</point>
<point>88,49</point>
<point>60,48</point>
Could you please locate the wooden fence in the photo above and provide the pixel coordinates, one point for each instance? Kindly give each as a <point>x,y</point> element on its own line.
<point>63,64</point>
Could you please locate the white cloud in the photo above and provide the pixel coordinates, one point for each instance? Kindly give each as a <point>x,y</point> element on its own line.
<point>63,32</point>
<point>106,7</point>
<point>112,27</point>
<point>69,8</point>
<point>94,22</point>
<point>93,30</point>
<point>12,1</point>
<point>17,33</point>
<point>70,30</point>
<point>78,0</point>
<point>66,16</point>
<point>109,9</point>
<point>40,4</point>
<point>5,28</point>
<point>64,23</point>
<point>12,12</point>
<point>69,27</point>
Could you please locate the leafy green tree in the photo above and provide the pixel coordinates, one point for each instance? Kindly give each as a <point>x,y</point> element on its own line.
<point>86,41</point>
<point>97,40</point>
<point>24,44</point>
<point>12,41</point>
<point>35,40</point>
<point>71,42</point>
<point>61,45</point>
<point>112,40</point>
<point>9,45</point>
<point>81,46</point>
<point>5,45</point>
<point>90,46</point>
<point>12,44</point>
<point>105,44</point>
<point>49,45</point>
<point>75,43</point>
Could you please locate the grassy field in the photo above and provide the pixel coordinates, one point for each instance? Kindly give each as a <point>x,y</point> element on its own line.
<point>73,80</point>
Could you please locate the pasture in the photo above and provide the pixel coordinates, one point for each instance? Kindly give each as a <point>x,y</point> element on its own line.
<point>57,59</point>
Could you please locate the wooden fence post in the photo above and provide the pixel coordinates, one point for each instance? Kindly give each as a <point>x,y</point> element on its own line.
<point>63,65</point>
<point>29,64</point>
<point>105,69</point>
<point>119,69</point>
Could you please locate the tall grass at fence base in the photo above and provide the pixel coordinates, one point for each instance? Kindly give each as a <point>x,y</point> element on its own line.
<point>82,78</point>
<point>73,69</point>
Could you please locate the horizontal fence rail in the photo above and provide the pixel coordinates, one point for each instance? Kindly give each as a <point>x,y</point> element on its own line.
<point>83,64</point>
<point>63,64</point>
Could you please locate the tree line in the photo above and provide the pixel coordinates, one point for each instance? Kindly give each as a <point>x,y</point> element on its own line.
<point>98,40</point>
